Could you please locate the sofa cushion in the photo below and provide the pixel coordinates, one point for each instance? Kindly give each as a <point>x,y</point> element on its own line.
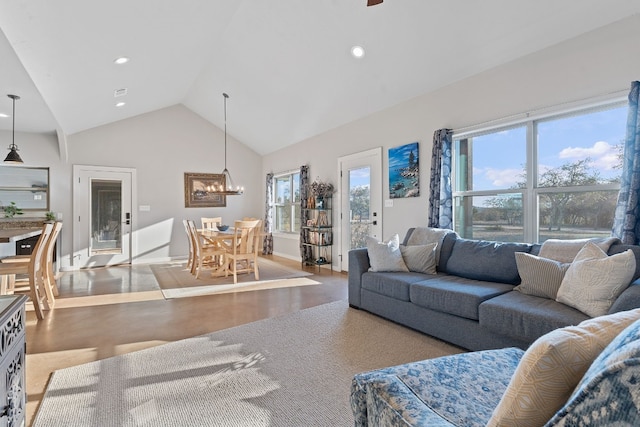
<point>552,367</point>
<point>526,317</point>
<point>394,285</point>
<point>594,280</point>
<point>425,236</point>
<point>385,256</point>
<point>485,260</point>
<point>541,277</point>
<point>455,295</point>
<point>457,390</point>
<point>607,395</point>
<point>420,258</point>
<point>619,248</point>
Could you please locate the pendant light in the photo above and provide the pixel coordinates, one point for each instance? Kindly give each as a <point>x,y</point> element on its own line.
<point>13,156</point>
<point>227,187</point>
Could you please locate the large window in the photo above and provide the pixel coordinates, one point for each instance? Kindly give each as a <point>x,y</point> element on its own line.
<point>286,191</point>
<point>554,177</point>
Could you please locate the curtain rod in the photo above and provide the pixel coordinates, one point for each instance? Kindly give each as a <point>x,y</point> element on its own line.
<point>566,107</point>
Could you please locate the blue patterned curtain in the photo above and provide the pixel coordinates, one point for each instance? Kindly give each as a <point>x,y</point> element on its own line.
<point>440,200</point>
<point>306,253</point>
<point>267,242</point>
<point>626,223</point>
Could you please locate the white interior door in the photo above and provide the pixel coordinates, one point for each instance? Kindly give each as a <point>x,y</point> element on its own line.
<point>360,200</point>
<point>103,216</point>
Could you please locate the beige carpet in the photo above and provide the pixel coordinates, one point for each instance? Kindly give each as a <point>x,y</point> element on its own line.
<point>293,370</point>
<point>176,281</point>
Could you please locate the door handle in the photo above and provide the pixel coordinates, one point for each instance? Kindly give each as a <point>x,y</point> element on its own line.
<point>375,222</point>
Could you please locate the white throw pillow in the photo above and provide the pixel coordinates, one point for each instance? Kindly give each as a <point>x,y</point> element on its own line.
<point>540,276</point>
<point>552,367</point>
<point>385,256</point>
<point>594,280</point>
<point>420,258</point>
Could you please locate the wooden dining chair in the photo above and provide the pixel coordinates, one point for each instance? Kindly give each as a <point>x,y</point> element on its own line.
<point>52,289</point>
<point>36,271</point>
<point>242,249</point>
<point>211,223</point>
<point>206,257</point>
<point>191,262</point>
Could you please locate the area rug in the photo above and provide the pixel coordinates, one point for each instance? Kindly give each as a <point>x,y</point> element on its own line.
<point>293,370</point>
<point>176,281</point>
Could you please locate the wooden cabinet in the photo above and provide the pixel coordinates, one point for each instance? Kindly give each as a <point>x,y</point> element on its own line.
<point>317,236</point>
<point>12,360</point>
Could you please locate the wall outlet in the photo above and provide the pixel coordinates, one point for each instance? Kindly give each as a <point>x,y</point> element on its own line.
<point>388,203</point>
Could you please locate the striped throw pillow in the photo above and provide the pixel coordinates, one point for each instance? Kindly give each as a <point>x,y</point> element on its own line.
<point>541,277</point>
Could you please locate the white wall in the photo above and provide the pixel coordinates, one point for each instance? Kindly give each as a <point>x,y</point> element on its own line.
<point>591,65</point>
<point>161,146</point>
<point>164,144</point>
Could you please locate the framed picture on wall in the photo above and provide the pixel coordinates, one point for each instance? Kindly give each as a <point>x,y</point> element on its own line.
<point>404,171</point>
<point>197,190</point>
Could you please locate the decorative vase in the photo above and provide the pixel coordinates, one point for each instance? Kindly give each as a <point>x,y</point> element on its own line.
<point>319,202</point>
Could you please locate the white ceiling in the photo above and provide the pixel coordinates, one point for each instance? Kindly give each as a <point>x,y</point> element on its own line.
<point>286,64</point>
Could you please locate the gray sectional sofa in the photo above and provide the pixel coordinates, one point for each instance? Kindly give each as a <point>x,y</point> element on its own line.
<point>471,301</point>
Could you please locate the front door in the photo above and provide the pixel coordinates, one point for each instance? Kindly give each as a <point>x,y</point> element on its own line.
<point>360,200</point>
<point>103,216</point>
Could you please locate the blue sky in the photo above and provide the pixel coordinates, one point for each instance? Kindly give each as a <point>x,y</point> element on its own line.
<point>361,176</point>
<point>499,157</point>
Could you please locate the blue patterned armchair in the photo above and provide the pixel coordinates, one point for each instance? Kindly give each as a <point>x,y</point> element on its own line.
<point>465,389</point>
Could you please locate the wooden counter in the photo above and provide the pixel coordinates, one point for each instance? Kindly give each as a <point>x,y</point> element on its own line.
<point>11,235</point>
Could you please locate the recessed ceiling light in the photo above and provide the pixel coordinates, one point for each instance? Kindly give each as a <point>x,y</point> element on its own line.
<point>121,104</point>
<point>4,116</point>
<point>357,51</point>
<point>121,60</point>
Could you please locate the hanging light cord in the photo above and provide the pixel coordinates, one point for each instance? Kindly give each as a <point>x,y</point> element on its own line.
<point>13,118</point>
<point>225,129</point>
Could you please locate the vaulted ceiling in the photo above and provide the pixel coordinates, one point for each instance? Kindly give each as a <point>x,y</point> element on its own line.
<point>286,64</point>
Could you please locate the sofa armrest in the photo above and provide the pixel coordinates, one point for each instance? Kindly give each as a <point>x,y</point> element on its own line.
<point>358,265</point>
<point>629,299</point>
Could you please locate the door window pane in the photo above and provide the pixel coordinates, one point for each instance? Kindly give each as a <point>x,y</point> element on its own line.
<point>106,216</point>
<point>359,206</point>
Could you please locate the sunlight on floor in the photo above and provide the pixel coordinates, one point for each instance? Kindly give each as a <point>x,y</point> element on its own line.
<point>96,300</point>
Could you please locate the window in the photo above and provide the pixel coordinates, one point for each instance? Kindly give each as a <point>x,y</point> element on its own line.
<point>286,190</point>
<point>555,177</point>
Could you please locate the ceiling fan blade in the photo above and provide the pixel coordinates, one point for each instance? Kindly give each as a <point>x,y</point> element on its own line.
<point>373,2</point>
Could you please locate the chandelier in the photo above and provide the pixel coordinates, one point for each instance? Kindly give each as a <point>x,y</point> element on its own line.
<point>227,187</point>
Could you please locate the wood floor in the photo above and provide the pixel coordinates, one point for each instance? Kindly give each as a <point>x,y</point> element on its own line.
<point>105,312</point>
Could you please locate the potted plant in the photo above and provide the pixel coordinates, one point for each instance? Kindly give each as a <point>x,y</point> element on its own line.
<point>12,210</point>
<point>50,216</point>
